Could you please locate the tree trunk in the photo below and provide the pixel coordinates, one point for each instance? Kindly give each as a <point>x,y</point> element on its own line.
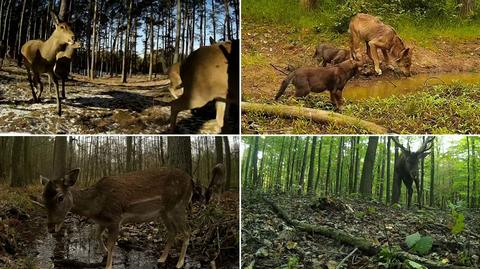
<point>329,165</point>
<point>16,174</point>
<point>432,174</point>
<point>388,169</point>
<point>228,162</point>
<point>311,167</point>
<point>59,157</point>
<point>255,165</point>
<point>129,166</point>
<point>94,47</point>
<point>302,170</point>
<point>368,165</point>
<point>339,165</point>
<point>177,37</point>
<point>180,153</point>
<point>127,41</point>
<point>219,149</point>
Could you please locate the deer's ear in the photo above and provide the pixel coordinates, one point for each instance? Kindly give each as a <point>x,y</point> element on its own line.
<point>71,177</point>
<point>54,18</point>
<point>44,180</point>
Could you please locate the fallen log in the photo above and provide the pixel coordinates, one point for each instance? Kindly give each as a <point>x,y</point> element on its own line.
<point>316,115</point>
<point>361,243</point>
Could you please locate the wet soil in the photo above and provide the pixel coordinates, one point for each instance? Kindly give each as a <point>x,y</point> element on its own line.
<point>103,106</point>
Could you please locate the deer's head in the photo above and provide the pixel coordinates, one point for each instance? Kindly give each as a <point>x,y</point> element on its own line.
<point>411,159</point>
<point>63,33</point>
<point>58,199</point>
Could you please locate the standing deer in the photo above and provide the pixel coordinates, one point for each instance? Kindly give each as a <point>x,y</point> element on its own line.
<point>204,77</point>
<point>136,197</point>
<point>62,65</point>
<point>406,168</point>
<point>40,56</point>
<point>217,184</point>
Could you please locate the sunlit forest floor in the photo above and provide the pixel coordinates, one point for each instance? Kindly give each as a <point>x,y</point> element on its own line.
<point>268,242</point>
<point>25,243</point>
<point>419,104</point>
<point>102,106</point>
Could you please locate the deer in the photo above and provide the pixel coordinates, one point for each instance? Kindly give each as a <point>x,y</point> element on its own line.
<point>40,57</point>
<point>135,197</point>
<point>205,77</point>
<point>217,184</point>
<point>406,168</point>
<point>175,79</point>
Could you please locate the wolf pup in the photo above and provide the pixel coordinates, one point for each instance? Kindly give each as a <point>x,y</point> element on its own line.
<point>320,79</point>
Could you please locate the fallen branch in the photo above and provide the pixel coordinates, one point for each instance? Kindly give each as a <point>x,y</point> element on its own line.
<point>361,243</point>
<point>291,112</point>
<point>279,70</point>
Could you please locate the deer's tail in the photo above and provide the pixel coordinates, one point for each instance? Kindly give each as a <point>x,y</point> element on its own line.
<point>284,85</point>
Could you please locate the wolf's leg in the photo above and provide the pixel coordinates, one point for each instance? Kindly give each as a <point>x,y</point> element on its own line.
<point>374,44</point>
<point>387,59</point>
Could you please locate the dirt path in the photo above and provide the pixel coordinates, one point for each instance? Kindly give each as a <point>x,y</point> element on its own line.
<point>92,108</point>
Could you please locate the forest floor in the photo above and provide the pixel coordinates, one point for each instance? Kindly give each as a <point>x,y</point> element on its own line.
<point>440,97</point>
<point>25,243</point>
<point>268,242</point>
<point>103,106</point>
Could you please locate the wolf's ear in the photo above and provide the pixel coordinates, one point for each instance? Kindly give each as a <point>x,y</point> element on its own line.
<point>405,52</point>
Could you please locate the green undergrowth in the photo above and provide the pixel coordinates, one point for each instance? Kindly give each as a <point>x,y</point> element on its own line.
<point>422,21</point>
<point>436,110</point>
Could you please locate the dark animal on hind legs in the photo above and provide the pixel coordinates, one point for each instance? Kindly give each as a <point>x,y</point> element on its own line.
<point>326,54</point>
<point>406,169</point>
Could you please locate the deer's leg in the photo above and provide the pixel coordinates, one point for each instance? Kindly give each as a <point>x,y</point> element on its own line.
<point>409,194</point>
<point>29,75</point>
<point>112,238</point>
<point>99,233</point>
<point>220,110</point>
<point>171,236</point>
<point>181,227</point>
<point>59,105</point>
<point>63,89</point>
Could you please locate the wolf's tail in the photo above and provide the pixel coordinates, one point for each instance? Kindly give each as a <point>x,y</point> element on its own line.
<point>284,85</point>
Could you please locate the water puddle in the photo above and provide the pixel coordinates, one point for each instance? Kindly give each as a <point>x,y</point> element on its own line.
<point>78,244</point>
<point>361,89</point>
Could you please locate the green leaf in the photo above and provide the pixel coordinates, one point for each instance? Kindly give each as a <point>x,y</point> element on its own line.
<point>423,245</point>
<point>412,239</point>
<point>459,225</point>
<point>415,265</point>
<point>291,245</point>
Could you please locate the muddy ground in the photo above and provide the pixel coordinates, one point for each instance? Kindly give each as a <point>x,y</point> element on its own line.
<point>103,106</point>
<point>442,63</point>
<point>268,242</point>
<point>25,243</point>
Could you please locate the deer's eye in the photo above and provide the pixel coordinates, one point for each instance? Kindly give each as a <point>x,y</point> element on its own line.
<point>60,198</point>
<point>61,26</point>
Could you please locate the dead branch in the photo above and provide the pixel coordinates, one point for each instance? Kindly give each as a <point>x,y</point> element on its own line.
<point>321,116</point>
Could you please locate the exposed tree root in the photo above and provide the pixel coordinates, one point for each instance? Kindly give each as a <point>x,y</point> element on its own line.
<point>291,112</point>
<point>361,243</point>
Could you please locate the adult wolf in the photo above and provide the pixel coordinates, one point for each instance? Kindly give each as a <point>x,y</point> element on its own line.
<point>377,35</point>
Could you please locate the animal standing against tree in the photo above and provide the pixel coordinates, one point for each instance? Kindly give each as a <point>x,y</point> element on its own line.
<point>406,169</point>
<point>40,56</point>
<point>326,54</point>
<point>217,184</point>
<point>320,79</point>
<point>204,77</point>
<point>377,35</point>
<point>136,197</point>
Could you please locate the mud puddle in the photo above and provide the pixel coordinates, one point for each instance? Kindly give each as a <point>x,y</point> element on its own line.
<point>363,89</point>
<point>78,245</point>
